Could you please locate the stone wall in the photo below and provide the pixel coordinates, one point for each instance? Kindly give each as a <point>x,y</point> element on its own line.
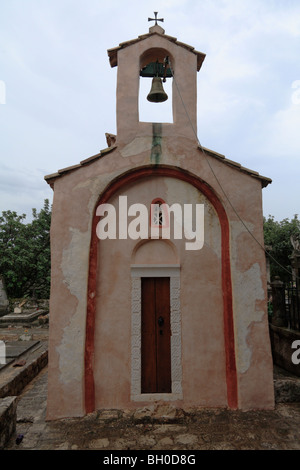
<point>26,304</point>
<point>20,378</point>
<point>8,419</point>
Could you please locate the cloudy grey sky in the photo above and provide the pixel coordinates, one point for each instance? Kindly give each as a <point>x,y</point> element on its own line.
<point>57,89</point>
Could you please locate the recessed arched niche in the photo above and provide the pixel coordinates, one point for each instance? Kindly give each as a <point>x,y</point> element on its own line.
<point>156,252</point>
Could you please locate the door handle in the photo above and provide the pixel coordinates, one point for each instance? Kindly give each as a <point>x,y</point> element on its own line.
<point>161,321</point>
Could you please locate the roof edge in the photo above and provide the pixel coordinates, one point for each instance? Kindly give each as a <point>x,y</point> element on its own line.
<point>113,52</point>
<point>264,179</point>
<point>52,177</point>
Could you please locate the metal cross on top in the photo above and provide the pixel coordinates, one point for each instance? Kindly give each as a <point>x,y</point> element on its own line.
<point>155,19</point>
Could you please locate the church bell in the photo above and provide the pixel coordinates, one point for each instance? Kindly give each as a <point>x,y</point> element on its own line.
<point>157,93</point>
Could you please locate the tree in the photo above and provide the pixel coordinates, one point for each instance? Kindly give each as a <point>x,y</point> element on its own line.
<point>277,237</point>
<point>25,253</point>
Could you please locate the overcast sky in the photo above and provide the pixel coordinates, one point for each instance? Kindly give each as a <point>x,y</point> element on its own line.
<point>57,89</point>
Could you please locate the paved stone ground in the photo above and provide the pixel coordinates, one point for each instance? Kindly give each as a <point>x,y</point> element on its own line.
<point>25,332</point>
<point>158,428</point>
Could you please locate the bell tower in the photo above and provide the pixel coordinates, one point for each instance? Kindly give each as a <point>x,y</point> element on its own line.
<point>161,57</point>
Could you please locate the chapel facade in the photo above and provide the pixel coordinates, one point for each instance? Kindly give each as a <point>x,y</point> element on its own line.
<point>158,290</point>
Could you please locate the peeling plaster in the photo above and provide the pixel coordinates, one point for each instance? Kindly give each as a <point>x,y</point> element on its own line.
<point>75,262</point>
<point>247,290</point>
<point>96,185</point>
<point>245,284</point>
<point>74,266</point>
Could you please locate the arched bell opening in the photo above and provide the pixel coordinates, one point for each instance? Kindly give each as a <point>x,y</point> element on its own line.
<point>156,86</point>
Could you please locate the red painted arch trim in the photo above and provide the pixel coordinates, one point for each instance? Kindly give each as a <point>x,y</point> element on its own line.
<point>113,187</point>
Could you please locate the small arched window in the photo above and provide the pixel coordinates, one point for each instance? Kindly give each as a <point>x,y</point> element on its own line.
<point>159,217</point>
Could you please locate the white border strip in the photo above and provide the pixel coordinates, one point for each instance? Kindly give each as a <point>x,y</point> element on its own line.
<point>155,270</point>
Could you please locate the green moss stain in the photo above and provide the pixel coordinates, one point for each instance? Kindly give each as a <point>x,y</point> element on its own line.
<point>156,142</point>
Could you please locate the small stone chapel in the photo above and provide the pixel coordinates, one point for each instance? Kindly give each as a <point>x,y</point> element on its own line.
<point>138,317</point>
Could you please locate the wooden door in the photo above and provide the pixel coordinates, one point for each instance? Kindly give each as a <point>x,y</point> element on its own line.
<point>156,336</point>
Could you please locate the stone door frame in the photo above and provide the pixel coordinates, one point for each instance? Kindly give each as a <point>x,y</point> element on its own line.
<point>137,273</point>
